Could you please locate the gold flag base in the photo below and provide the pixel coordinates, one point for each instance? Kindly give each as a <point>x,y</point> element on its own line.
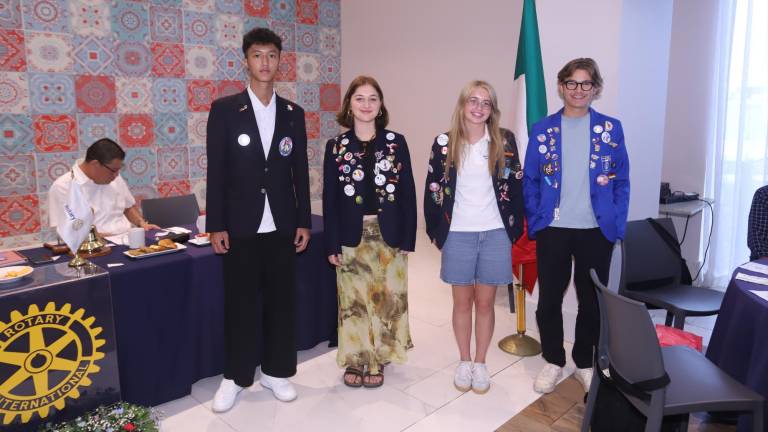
<point>520,345</point>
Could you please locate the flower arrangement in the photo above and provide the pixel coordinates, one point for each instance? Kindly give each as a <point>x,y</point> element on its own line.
<point>118,417</point>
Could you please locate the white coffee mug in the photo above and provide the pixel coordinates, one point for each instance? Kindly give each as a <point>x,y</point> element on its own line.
<point>136,238</point>
<point>200,224</point>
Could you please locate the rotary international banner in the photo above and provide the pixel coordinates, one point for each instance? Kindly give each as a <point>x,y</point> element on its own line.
<point>58,356</point>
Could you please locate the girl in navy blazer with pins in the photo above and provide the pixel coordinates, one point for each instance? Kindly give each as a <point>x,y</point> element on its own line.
<point>369,215</point>
<point>473,206</point>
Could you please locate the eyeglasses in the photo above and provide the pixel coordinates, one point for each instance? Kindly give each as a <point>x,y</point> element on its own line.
<point>585,85</point>
<point>485,105</point>
<point>112,170</point>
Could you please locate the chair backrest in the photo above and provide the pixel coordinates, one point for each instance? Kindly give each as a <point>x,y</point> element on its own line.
<point>171,211</point>
<point>627,336</point>
<point>616,271</point>
<point>649,261</point>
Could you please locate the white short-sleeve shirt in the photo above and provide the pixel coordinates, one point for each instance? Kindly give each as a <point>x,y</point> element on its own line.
<point>108,201</point>
<point>475,207</point>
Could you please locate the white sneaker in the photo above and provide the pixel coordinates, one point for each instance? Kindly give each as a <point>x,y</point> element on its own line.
<point>225,396</point>
<point>462,380</point>
<point>281,388</point>
<point>481,381</point>
<point>547,378</point>
<point>584,376</point>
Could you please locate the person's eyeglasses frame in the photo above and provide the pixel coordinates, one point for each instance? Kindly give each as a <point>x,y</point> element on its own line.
<point>573,85</point>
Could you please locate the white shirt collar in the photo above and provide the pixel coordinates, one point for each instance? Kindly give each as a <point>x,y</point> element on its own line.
<point>256,102</point>
<point>486,137</point>
<point>80,176</point>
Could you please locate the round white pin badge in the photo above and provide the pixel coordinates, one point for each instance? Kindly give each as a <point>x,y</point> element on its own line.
<point>542,149</point>
<point>243,140</point>
<point>349,190</point>
<point>442,139</point>
<point>390,136</point>
<point>390,188</point>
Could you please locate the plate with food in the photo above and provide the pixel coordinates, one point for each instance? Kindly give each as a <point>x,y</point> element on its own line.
<point>202,239</point>
<point>14,273</point>
<point>164,246</point>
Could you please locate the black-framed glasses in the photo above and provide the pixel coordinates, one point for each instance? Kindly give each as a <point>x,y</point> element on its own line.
<point>585,85</point>
<point>112,170</point>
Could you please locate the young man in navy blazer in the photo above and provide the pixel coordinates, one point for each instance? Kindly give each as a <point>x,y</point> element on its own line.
<point>258,214</point>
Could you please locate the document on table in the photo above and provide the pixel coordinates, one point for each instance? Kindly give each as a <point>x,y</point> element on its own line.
<point>753,279</point>
<point>755,267</point>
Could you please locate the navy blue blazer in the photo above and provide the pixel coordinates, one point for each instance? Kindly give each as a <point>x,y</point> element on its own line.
<point>239,176</point>
<point>343,191</point>
<point>439,192</point>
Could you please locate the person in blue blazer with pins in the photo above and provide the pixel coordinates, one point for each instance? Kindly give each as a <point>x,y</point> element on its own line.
<point>576,190</point>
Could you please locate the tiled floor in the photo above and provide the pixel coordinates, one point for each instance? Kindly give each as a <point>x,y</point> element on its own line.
<point>563,409</point>
<point>418,396</point>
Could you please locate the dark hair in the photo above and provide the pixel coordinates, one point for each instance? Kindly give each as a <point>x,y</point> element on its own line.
<point>344,116</point>
<point>105,151</point>
<point>586,64</point>
<point>261,36</point>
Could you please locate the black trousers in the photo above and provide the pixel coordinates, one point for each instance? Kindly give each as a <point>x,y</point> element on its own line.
<point>259,307</point>
<point>556,250</point>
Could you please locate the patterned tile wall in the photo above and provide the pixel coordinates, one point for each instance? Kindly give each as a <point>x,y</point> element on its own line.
<point>143,73</point>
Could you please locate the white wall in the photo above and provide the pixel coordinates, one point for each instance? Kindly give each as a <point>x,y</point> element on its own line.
<point>423,52</point>
<point>692,72</point>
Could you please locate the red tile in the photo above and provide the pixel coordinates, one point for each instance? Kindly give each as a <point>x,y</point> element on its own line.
<point>167,60</point>
<point>306,11</point>
<point>95,94</point>
<point>313,124</point>
<point>173,188</point>
<point>286,70</point>
<point>19,214</point>
<point>330,97</point>
<point>258,8</point>
<point>12,51</point>
<point>136,130</point>
<point>200,95</point>
<point>55,133</point>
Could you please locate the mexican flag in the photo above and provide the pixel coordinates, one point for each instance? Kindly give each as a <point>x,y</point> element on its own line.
<point>530,106</point>
<point>530,93</point>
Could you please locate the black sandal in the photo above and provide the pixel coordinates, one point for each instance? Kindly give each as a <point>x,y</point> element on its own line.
<point>354,373</point>
<point>367,379</point>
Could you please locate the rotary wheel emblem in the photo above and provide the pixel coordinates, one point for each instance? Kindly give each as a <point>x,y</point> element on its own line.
<point>45,357</point>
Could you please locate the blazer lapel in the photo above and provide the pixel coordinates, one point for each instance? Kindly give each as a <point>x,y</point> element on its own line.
<point>283,124</point>
<point>245,110</point>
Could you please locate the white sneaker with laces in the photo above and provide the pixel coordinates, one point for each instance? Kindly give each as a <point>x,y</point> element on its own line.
<point>225,396</point>
<point>547,378</point>
<point>462,380</point>
<point>281,388</point>
<point>584,376</point>
<point>481,380</point>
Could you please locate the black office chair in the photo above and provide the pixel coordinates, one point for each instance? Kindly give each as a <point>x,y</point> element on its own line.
<point>171,211</point>
<point>652,275</point>
<point>629,347</point>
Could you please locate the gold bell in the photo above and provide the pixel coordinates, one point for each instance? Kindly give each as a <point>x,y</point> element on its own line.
<point>92,244</point>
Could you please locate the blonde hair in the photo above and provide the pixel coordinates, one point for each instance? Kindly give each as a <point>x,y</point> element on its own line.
<point>457,136</point>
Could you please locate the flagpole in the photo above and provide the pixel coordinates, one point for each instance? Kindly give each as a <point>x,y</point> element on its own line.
<point>532,106</point>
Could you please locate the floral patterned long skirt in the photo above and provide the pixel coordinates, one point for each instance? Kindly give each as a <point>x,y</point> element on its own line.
<point>373,303</point>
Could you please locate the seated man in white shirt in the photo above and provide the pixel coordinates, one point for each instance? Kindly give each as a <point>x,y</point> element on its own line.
<point>114,207</point>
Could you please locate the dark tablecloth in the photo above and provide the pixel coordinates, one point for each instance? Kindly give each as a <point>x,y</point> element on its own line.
<point>739,343</point>
<point>169,318</point>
